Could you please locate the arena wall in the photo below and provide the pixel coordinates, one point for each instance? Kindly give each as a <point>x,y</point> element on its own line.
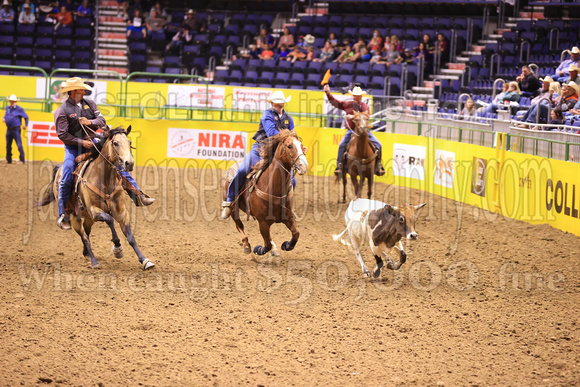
<point>520,186</point>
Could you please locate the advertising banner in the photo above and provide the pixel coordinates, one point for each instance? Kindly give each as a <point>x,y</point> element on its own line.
<point>444,168</point>
<point>409,161</point>
<point>251,99</point>
<point>196,96</point>
<point>206,144</point>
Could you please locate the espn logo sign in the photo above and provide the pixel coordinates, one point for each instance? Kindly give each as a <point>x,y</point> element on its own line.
<point>43,134</point>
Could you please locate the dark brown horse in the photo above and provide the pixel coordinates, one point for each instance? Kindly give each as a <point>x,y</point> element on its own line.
<point>360,158</point>
<point>270,200</point>
<point>102,195</point>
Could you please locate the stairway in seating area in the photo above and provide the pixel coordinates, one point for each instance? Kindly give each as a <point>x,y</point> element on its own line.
<point>112,39</point>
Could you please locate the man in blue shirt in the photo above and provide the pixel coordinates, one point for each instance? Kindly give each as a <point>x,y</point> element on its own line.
<point>272,122</point>
<point>562,70</point>
<point>13,119</point>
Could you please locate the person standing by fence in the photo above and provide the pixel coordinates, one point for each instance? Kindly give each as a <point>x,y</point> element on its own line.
<point>13,120</point>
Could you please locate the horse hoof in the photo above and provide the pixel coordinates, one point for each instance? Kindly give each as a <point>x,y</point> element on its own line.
<point>275,253</point>
<point>117,251</point>
<point>259,250</point>
<point>247,249</point>
<point>287,246</point>
<point>366,274</point>
<point>96,265</point>
<point>147,264</point>
<point>376,272</point>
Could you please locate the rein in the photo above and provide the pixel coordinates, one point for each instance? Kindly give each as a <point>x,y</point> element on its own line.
<point>85,128</point>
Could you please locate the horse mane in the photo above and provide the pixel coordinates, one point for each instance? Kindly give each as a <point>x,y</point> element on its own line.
<point>268,148</point>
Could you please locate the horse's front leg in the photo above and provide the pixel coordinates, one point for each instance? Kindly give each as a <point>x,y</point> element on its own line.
<point>371,180</point>
<point>265,231</point>
<point>354,178</point>
<point>102,216</point>
<point>123,218</point>
<point>78,226</point>
<point>291,224</point>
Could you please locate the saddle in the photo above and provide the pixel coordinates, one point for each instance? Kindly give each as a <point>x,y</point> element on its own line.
<point>346,155</point>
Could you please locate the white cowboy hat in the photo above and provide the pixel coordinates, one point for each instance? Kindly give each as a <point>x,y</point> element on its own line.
<point>13,97</point>
<point>547,79</point>
<point>278,97</point>
<point>74,83</point>
<point>191,11</point>
<point>574,85</point>
<point>357,91</point>
<point>573,67</point>
<point>575,50</point>
<point>309,39</point>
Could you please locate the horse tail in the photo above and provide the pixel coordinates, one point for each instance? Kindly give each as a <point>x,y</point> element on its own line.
<point>341,237</point>
<point>47,192</point>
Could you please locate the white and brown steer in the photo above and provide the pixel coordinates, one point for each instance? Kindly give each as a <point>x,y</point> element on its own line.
<point>382,226</point>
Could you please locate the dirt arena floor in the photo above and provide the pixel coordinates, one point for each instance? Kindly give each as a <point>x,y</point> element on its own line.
<point>482,300</point>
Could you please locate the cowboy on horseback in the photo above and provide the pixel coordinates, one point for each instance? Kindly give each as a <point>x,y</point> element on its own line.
<point>356,105</point>
<point>70,118</point>
<point>273,120</point>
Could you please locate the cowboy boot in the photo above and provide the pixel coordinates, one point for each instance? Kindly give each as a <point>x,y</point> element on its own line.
<point>338,170</point>
<point>379,170</point>
<point>226,210</point>
<point>64,222</point>
<point>139,198</point>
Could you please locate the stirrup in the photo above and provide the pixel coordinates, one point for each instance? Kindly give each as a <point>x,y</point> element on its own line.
<point>380,171</point>
<point>63,222</point>
<point>338,170</point>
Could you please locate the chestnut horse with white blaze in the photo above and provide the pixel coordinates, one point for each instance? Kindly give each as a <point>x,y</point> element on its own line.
<point>271,198</point>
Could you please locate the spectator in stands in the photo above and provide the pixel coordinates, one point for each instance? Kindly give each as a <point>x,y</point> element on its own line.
<point>377,56</point>
<point>355,57</point>
<point>283,52</point>
<point>386,43</point>
<point>122,8</point>
<point>557,118</point>
<point>194,24</point>
<point>32,7</point>
<point>6,13</point>
<point>267,53</point>
<point>137,24</point>
<point>562,69</point>
<point>26,16</point>
<point>427,42</point>
<point>63,18</point>
<point>528,82</point>
<point>441,48</point>
<point>359,44</point>
<point>137,4</point>
<point>408,57</point>
<point>326,54</point>
<point>180,38</point>
<point>265,39</point>
<point>566,102</point>
<point>365,55</point>
<point>308,41</point>
<point>160,10</point>
<point>345,43</point>
<point>395,40</point>
<point>70,6</point>
<point>254,52</point>
<point>547,92</point>
<point>376,42</point>
<point>309,54</point>
<point>333,39</point>
<point>513,94</point>
<point>295,55</point>
<point>286,39</point>
<point>573,74</point>
<point>84,10</point>
<point>300,42</point>
<point>423,52</point>
<point>392,56</point>
<point>469,111</point>
<point>154,22</point>
<point>346,54</point>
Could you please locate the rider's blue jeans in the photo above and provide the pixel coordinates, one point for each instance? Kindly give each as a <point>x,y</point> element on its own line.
<point>346,139</point>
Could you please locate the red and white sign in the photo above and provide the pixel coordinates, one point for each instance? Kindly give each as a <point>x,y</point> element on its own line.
<point>43,134</point>
<point>251,99</point>
<point>206,144</point>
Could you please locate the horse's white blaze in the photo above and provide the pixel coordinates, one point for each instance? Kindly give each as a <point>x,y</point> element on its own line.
<point>302,164</point>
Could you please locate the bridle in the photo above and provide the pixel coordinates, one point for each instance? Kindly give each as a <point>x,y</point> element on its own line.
<point>301,153</point>
<point>352,130</point>
<point>117,156</point>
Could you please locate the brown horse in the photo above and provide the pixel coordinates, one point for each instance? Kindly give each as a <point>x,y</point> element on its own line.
<point>360,158</point>
<point>271,198</point>
<point>101,195</point>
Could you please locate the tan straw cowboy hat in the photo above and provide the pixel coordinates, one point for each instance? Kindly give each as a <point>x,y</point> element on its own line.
<point>309,39</point>
<point>575,50</point>
<point>278,97</point>
<point>13,97</point>
<point>573,67</point>
<point>74,84</point>
<point>547,79</point>
<point>357,91</point>
<point>574,85</point>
